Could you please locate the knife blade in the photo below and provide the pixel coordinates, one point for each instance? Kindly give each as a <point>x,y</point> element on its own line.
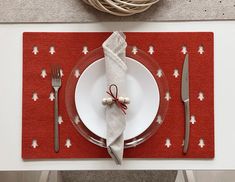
<point>185,99</point>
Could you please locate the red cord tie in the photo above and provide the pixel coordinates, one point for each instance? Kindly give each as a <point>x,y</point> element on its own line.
<point>119,101</point>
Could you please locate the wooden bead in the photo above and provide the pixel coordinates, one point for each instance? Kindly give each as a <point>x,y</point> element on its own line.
<point>109,101</point>
<point>121,99</point>
<point>126,100</point>
<point>104,101</point>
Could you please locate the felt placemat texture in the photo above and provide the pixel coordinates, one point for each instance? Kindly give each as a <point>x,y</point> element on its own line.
<point>169,49</point>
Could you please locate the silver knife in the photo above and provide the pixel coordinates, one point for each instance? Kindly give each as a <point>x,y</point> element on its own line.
<point>185,99</point>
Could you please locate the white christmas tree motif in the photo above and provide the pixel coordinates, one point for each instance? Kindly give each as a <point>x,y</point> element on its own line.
<point>43,73</point>
<point>176,73</point>
<point>167,96</point>
<point>168,143</point>
<point>159,119</point>
<point>201,143</point>
<point>201,96</point>
<point>77,73</point>
<point>35,50</point>
<point>60,120</point>
<point>61,73</point>
<point>201,49</point>
<point>85,50</point>
<point>52,96</point>
<point>193,119</point>
<point>68,143</point>
<point>34,144</point>
<point>159,73</point>
<point>76,119</point>
<point>184,50</point>
<point>35,96</point>
<point>151,50</point>
<point>52,50</point>
<point>134,50</point>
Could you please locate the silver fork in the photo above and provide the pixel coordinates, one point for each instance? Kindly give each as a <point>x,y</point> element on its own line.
<point>56,84</point>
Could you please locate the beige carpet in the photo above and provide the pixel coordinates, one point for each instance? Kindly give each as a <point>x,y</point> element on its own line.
<point>76,11</point>
<point>118,176</point>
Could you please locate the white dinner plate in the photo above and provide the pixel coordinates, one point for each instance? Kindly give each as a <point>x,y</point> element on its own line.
<point>142,89</point>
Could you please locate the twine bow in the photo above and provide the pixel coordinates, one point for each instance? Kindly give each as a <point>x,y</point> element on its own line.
<point>114,96</point>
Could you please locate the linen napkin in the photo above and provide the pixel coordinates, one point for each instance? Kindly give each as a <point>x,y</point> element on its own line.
<point>115,63</point>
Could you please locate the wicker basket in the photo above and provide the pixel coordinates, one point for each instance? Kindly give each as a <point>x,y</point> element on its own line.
<point>121,7</point>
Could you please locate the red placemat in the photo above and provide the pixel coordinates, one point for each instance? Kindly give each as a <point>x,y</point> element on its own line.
<point>41,50</point>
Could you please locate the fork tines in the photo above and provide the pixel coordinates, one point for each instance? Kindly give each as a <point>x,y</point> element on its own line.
<point>56,76</point>
<point>55,70</point>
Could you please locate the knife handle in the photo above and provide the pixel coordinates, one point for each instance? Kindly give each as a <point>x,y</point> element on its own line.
<point>187,126</point>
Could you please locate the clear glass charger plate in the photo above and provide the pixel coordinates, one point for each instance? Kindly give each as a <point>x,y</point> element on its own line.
<point>95,56</point>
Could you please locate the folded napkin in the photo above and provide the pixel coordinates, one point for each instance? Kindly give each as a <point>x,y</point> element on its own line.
<point>115,63</point>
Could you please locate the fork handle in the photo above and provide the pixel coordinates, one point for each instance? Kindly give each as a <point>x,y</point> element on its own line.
<point>56,126</point>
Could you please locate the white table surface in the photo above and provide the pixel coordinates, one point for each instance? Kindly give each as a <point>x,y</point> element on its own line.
<point>11,97</point>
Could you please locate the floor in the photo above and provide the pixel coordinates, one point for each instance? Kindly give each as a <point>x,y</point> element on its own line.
<point>119,176</point>
<point>210,176</point>
<point>91,176</point>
